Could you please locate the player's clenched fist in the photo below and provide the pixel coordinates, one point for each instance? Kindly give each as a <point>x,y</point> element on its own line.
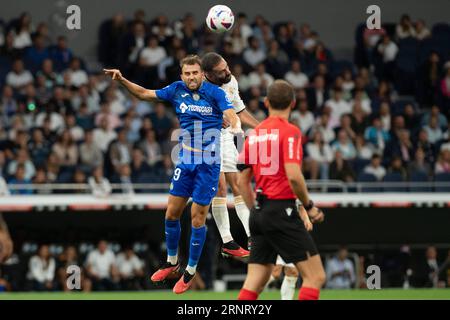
<point>114,73</point>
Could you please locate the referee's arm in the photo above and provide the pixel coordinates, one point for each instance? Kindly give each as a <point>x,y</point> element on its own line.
<point>245,187</point>
<point>297,181</point>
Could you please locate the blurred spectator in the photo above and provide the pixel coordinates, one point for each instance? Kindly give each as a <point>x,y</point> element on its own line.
<point>302,117</point>
<point>388,51</point>
<point>22,159</point>
<point>254,54</point>
<point>430,74</point>
<point>445,85</point>
<point>41,270</point>
<point>123,177</point>
<point>340,271</point>
<point>104,135</point>
<point>79,177</point>
<point>344,145</point>
<point>260,78</point>
<point>68,258</point>
<point>53,167</point>
<point>398,167</point>
<point>337,107</point>
<point>412,119</point>
<point>100,186</point>
<point>295,76</point>
<point>55,120</point>
<point>443,162</point>
<point>421,30</point>
<point>256,112</point>
<point>101,268</point>
<point>278,61</point>
<point>402,147</point>
<point>138,165</point>
<point>8,106</point>
<point>340,169</point>
<point>153,54</point>
<point>76,132</point>
<point>41,178</point>
<point>22,37</point>
<point>133,43</point>
<point>346,125</point>
<point>77,76</point>
<point>111,32</point>
<point>419,164</point>
<point>434,113</point>
<point>375,168</point>
<point>376,135</point>
<point>120,150</point>
<point>427,270</point>
<point>61,54</point>
<point>318,94</point>
<point>319,157</point>
<point>18,78</point>
<point>322,125</point>
<point>91,156</point>
<point>364,150</point>
<point>405,28</point>
<point>161,121</point>
<point>20,179</point>
<point>151,148</point>
<point>130,268</point>
<point>433,130</point>
<point>66,150</point>
<point>37,53</point>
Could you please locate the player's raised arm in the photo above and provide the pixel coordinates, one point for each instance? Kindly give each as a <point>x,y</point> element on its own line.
<point>235,123</point>
<point>134,89</point>
<point>248,119</point>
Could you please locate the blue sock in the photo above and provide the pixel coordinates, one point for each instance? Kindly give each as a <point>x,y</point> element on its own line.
<point>173,230</point>
<point>198,236</point>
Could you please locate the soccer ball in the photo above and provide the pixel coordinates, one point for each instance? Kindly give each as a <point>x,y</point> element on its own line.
<point>220,18</point>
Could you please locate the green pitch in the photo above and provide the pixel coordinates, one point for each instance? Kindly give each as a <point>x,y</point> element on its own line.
<point>384,294</point>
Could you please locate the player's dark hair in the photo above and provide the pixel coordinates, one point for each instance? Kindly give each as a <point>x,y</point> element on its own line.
<point>210,60</point>
<point>190,61</point>
<point>280,95</point>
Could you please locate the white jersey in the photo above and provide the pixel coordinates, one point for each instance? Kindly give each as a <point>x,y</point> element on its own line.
<point>229,153</point>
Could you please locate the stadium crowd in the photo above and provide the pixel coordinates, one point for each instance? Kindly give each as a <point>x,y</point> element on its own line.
<point>362,121</point>
<point>381,117</point>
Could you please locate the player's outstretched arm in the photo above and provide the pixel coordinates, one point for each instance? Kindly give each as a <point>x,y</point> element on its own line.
<point>247,118</point>
<point>235,123</point>
<point>136,90</point>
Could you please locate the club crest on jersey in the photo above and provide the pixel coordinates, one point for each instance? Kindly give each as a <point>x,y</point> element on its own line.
<point>183,107</point>
<point>196,97</point>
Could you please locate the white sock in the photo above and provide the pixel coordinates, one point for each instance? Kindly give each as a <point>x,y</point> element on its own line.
<point>243,213</point>
<point>191,270</point>
<point>288,288</point>
<point>172,259</point>
<point>220,214</point>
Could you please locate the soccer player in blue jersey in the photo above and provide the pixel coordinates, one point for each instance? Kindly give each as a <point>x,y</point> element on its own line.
<point>200,107</point>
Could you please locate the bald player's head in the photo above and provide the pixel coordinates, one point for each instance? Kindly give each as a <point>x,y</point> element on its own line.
<point>280,95</point>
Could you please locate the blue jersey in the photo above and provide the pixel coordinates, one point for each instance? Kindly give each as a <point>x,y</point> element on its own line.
<point>204,106</point>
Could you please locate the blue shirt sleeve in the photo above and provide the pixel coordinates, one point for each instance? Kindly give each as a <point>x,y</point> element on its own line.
<point>222,100</point>
<point>167,92</point>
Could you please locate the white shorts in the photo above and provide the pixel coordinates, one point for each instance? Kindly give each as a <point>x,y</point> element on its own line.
<point>280,261</point>
<point>229,154</point>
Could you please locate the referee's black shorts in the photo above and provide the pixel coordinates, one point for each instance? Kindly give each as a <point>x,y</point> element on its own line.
<point>277,229</point>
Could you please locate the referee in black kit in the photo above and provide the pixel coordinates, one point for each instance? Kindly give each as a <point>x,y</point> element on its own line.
<point>273,154</point>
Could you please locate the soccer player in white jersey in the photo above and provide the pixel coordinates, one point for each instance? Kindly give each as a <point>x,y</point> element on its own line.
<point>217,71</point>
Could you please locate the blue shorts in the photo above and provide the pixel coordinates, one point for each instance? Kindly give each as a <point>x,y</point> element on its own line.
<point>199,181</point>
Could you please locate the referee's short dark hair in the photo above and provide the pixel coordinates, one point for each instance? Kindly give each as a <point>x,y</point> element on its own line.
<point>210,60</point>
<point>280,95</point>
